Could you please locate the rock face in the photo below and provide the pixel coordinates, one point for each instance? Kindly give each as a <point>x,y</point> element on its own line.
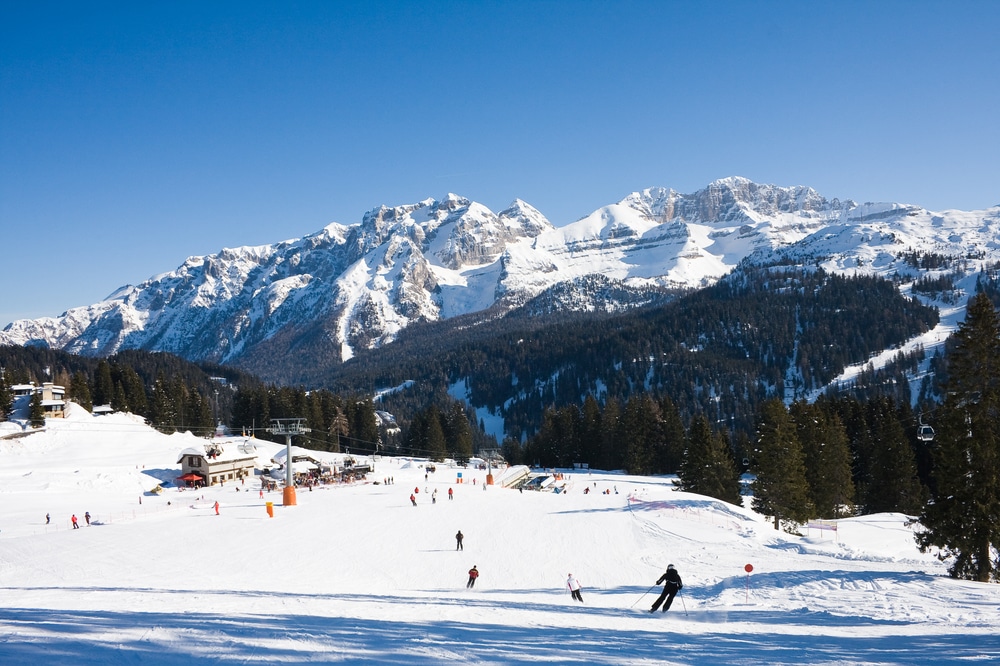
<point>350,287</point>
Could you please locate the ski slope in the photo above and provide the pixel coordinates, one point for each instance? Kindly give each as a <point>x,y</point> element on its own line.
<point>354,574</point>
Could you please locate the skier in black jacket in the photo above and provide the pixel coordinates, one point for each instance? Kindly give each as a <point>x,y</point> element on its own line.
<point>670,589</point>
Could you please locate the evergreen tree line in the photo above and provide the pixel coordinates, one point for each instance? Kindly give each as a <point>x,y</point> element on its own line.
<point>177,396</point>
<point>844,456</point>
<point>440,433</point>
<point>336,422</point>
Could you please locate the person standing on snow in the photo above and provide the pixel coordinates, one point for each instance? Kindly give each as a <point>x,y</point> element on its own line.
<point>458,540</point>
<point>413,499</point>
<point>672,586</point>
<point>451,494</point>
<point>76,525</point>
<point>216,508</point>
<point>574,587</point>
<point>473,575</point>
<point>86,517</point>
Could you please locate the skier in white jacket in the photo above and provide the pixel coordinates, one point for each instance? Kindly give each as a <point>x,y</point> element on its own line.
<point>574,587</point>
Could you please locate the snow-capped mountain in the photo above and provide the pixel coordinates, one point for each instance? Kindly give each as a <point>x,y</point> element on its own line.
<point>349,287</point>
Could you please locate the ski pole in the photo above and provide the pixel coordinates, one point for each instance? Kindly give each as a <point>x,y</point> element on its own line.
<point>643,594</point>
<point>683,605</point>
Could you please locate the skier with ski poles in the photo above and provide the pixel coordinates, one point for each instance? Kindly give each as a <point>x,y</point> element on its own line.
<point>574,588</point>
<point>672,585</point>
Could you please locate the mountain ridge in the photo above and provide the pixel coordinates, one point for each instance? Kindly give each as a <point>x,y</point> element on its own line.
<point>351,287</point>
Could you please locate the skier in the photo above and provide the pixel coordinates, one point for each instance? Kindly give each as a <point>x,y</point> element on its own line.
<point>672,586</point>
<point>458,540</point>
<point>434,496</point>
<point>451,494</point>
<point>473,575</point>
<point>47,519</point>
<point>413,498</point>
<point>574,587</point>
<point>86,517</point>
<point>76,525</point>
<point>216,508</point>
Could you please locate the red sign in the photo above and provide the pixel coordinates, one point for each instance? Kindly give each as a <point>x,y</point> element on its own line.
<point>748,568</point>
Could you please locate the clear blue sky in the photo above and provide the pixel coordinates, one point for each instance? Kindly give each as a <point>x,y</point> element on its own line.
<point>134,135</point>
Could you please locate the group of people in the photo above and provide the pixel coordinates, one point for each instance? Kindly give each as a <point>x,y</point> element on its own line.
<point>73,519</point>
<point>670,579</point>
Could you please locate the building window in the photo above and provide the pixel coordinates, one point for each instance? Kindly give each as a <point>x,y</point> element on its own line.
<point>194,461</point>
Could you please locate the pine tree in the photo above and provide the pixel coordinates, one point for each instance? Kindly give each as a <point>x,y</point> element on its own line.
<point>780,488</point>
<point>895,485</point>
<point>670,451</point>
<point>6,399</point>
<point>104,386</point>
<point>436,446</point>
<point>640,431</point>
<point>36,412</point>
<point>827,459</point>
<point>708,467</point>
<point>79,390</point>
<point>963,519</point>
<point>458,434</point>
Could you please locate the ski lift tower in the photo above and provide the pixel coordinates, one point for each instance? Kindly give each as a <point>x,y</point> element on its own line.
<point>288,428</point>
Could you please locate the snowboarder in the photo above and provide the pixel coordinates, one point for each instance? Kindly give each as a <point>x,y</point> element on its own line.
<point>574,587</point>
<point>672,585</point>
<point>473,575</point>
<point>76,525</point>
<point>458,540</point>
<point>413,498</point>
<point>86,517</point>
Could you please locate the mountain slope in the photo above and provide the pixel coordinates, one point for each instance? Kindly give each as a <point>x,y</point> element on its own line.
<point>348,288</point>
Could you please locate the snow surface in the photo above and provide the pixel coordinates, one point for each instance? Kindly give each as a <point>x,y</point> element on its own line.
<point>355,574</point>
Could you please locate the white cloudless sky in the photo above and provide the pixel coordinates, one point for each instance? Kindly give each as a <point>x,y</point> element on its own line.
<point>135,135</point>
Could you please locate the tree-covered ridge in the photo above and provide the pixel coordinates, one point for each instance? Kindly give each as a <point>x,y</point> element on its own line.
<point>759,333</point>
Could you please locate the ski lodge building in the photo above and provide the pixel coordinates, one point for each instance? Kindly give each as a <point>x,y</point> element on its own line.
<point>215,464</point>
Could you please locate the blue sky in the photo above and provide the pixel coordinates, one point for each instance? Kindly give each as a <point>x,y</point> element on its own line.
<point>134,135</point>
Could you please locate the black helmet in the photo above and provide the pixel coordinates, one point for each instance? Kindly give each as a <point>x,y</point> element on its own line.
<point>670,566</point>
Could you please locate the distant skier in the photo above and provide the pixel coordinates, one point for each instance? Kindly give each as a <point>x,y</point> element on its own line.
<point>574,587</point>
<point>86,517</point>
<point>216,508</point>
<point>672,586</point>
<point>434,496</point>
<point>458,540</point>
<point>76,525</point>
<point>473,575</point>
<point>47,518</point>
<point>451,494</point>
<point>413,499</point>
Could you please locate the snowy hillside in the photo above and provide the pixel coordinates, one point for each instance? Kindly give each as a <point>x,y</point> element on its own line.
<point>355,574</point>
<point>352,287</point>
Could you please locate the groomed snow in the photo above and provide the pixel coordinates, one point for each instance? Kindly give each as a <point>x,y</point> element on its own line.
<point>355,574</point>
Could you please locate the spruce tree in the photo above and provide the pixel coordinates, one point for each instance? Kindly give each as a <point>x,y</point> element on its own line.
<point>6,399</point>
<point>36,412</point>
<point>780,488</point>
<point>458,434</point>
<point>894,483</point>
<point>104,386</point>
<point>963,519</point>
<point>708,467</point>
<point>640,430</point>
<point>79,390</point>
<point>827,459</point>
